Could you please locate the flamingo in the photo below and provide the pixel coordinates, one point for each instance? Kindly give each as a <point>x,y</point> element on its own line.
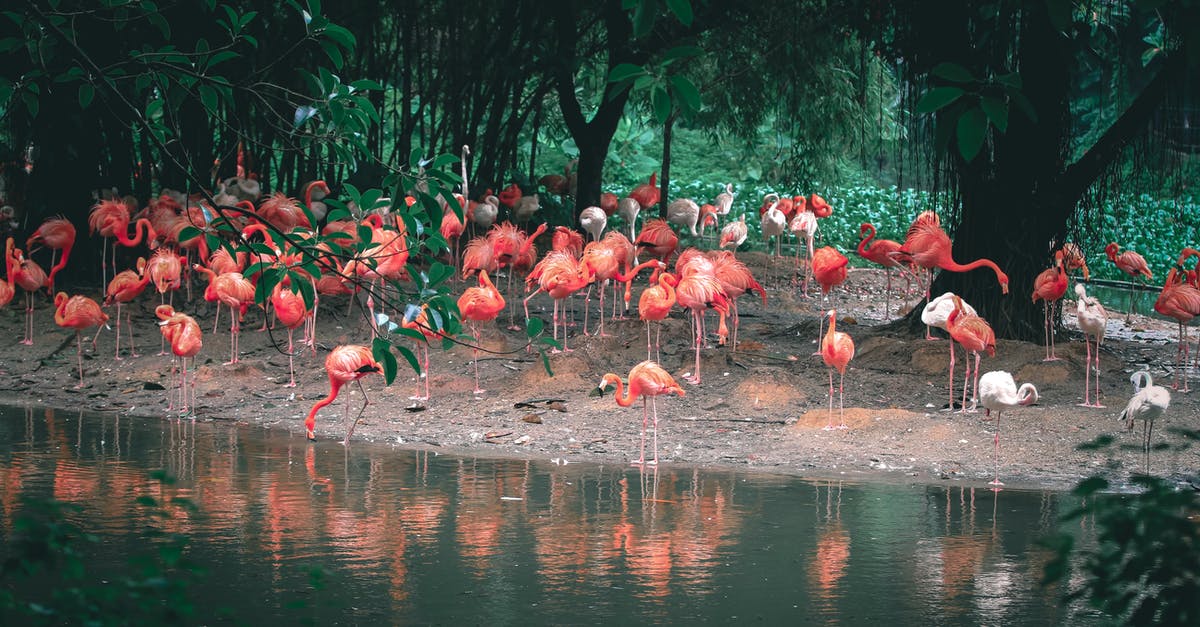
<point>657,239</point>
<point>647,194</point>
<point>735,278</point>
<point>884,252</point>
<point>566,239</point>
<point>480,304</point>
<point>774,222</point>
<point>937,313</point>
<point>346,363</point>
<point>655,304</point>
<point>79,313</point>
<point>930,248</point>
<point>975,335</point>
<point>483,214</point>
<point>235,292</point>
<point>609,203</point>
<point>417,319</point>
<point>7,286</point>
<point>108,217</point>
<point>57,234</point>
<point>183,332</point>
<point>734,233</point>
<point>601,262</point>
<point>1093,321</point>
<point>698,291</point>
<point>685,213</point>
<point>1074,260</point>
<point>804,224</point>
<point>649,381</point>
<point>1149,401</point>
<point>593,220</point>
<point>290,310</point>
<point>126,286</point>
<point>525,207</point>
<point>628,209</point>
<point>314,193</point>
<point>724,201</point>
<point>998,391</point>
<point>1180,301</point>
<point>1049,287</point>
<point>559,275</point>
<point>29,276</point>
<point>829,268</point>
<point>283,213</point>
<point>1130,263</point>
<point>837,349</point>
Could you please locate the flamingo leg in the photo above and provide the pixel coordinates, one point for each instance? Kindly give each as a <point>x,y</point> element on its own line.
<point>829,422</point>
<point>654,406</point>
<point>887,295</point>
<point>366,401</point>
<point>975,385</point>
<point>950,405</point>
<point>587,307</point>
<point>427,377</point>
<point>117,350</point>
<point>602,290</point>
<point>842,400</point>
<point>996,453</point>
<point>291,361</point>
<point>129,325</point>
<point>649,354</point>
<point>642,448</point>
<point>475,333</point>
<point>79,354</point>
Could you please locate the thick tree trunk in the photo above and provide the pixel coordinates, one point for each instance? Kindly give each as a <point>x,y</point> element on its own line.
<point>665,176</point>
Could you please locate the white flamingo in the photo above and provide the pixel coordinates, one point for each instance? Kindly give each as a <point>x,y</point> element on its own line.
<point>1148,403</point>
<point>593,220</point>
<point>1093,320</point>
<point>998,391</point>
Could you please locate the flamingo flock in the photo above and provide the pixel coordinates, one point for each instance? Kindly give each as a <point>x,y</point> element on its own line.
<point>267,257</point>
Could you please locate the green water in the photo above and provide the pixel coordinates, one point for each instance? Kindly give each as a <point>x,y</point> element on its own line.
<point>407,536</point>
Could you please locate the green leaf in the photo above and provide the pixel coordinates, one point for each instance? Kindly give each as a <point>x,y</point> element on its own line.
<point>1024,105</point>
<point>31,103</point>
<point>997,112</point>
<point>410,357</point>
<point>439,272</point>
<point>340,35</point>
<point>662,104</point>
<point>334,53</point>
<point>86,94</point>
<point>643,18</point>
<point>364,84</point>
<point>1011,80</point>
<point>624,72</point>
<point>689,96</point>
<point>533,327</point>
<point>381,350</point>
<point>682,10</point>
<point>188,233</point>
<point>972,128</point>
<point>208,98</point>
<point>937,98</point>
<point>953,72</point>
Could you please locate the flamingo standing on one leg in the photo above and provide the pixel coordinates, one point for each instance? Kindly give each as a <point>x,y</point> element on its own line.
<point>290,310</point>
<point>480,304</point>
<point>649,381</point>
<point>975,335</point>
<point>829,268</point>
<point>183,332</point>
<point>998,391</point>
<point>1049,287</point>
<point>79,313</point>
<point>126,286</point>
<point>28,276</point>
<point>937,314</point>
<point>57,234</point>
<point>1130,263</point>
<point>837,349</point>
<point>344,364</point>
<point>1093,321</point>
<point>1148,403</point>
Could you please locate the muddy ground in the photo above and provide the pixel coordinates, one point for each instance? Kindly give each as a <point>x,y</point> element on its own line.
<point>763,409</point>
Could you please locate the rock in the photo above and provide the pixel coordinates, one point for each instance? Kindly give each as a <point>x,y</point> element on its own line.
<point>532,418</point>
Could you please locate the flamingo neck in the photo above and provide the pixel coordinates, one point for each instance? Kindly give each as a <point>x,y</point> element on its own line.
<point>141,229</point>
<point>868,235</point>
<point>309,190</point>
<point>954,266</point>
<point>1027,394</point>
<point>624,396</point>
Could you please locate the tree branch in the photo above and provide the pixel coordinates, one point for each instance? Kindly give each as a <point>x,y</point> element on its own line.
<point>1081,174</point>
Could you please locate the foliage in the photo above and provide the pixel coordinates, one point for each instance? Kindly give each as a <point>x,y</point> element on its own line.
<point>48,578</point>
<point>1144,569</point>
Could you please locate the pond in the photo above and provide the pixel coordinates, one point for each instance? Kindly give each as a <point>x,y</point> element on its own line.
<point>405,536</point>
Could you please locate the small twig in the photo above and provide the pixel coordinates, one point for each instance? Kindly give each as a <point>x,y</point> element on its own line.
<point>738,420</point>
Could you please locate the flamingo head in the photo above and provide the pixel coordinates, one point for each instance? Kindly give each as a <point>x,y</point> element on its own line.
<point>607,380</point>
<point>1003,283</point>
<point>1111,251</point>
<point>163,312</point>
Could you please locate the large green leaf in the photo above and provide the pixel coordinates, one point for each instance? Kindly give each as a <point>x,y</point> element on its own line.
<point>937,98</point>
<point>689,96</point>
<point>972,128</point>
<point>381,350</point>
<point>997,112</point>
<point>682,10</point>
<point>662,103</point>
<point>624,72</point>
<point>953,72</point>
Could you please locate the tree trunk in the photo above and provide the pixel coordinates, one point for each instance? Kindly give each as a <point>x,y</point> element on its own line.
<point>665,177</point>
